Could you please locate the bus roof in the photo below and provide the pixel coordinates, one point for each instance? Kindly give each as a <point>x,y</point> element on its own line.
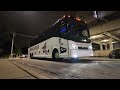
<point>68,17</point>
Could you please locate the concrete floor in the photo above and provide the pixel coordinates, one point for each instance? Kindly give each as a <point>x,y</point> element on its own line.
<point>11,71</point>
<point>61,70</point>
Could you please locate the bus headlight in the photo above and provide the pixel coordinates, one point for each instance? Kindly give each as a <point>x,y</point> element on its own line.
<point>74,46</point>
<point>90,47</point>
<point>75,56</point>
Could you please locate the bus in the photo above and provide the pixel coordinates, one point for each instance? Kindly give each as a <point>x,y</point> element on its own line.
<point>67,38</point>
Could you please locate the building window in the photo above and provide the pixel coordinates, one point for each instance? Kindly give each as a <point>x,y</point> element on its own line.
<point>103,47</point>
<point>95,46</point>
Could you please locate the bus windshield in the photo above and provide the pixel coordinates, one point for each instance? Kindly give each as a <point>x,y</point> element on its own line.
<point>76,31</point>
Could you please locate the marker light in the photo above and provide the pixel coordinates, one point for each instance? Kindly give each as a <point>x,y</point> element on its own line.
<point>64,16</point>
<point>78,19</point>
<point>69,16</point>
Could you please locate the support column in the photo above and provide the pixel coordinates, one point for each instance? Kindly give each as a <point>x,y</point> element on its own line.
<point>111,44</point>
<point>105,47</point>
<point>101,47</point>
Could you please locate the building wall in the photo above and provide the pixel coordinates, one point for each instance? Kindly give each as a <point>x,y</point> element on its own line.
<point>101,53</point>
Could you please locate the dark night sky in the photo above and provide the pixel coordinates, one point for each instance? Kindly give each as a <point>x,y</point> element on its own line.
<point>29,23</point>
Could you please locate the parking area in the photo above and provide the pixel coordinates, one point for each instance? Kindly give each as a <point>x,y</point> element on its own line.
<point>79,45</point>
<point>45,69</point>
<point>11,71</point>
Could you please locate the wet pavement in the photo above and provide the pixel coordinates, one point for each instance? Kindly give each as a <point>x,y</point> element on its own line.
<point>80,70</point>
<point>11,71</point>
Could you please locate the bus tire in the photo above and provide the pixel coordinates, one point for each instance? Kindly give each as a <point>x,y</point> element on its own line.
<point>31,55</point>
<point>55,54</point>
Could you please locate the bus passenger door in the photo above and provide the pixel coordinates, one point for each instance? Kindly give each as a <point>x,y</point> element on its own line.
<point>63,47</point>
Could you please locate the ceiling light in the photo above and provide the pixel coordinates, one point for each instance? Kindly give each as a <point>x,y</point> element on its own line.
<point>96,36</point>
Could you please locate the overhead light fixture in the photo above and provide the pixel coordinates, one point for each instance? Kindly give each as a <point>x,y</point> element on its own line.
<point>96,36</point>
<point>105,40</point>
<point>114,42</point>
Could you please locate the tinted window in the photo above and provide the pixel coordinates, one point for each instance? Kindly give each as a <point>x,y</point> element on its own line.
<point>78,31</point>
<point>67,29</point>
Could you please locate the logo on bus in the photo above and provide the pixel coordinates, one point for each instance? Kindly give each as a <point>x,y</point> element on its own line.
<point>45,50</point>
<point>63,50</point>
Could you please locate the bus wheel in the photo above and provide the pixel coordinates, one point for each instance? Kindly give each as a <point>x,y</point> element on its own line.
<point>31,56</point>
<point>55,54</point>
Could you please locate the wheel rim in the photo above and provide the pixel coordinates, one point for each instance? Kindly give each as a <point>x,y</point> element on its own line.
<point>56,55</point>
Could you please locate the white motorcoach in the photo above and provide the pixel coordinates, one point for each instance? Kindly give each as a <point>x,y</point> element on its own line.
<point>68,38</point>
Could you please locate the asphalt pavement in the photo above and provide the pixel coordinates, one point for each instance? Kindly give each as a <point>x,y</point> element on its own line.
<point>11,71</point>
<point>80,70</point>
<point>21,68</point>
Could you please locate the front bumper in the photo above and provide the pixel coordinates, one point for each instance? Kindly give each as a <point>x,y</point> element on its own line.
<point>80,53</point>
